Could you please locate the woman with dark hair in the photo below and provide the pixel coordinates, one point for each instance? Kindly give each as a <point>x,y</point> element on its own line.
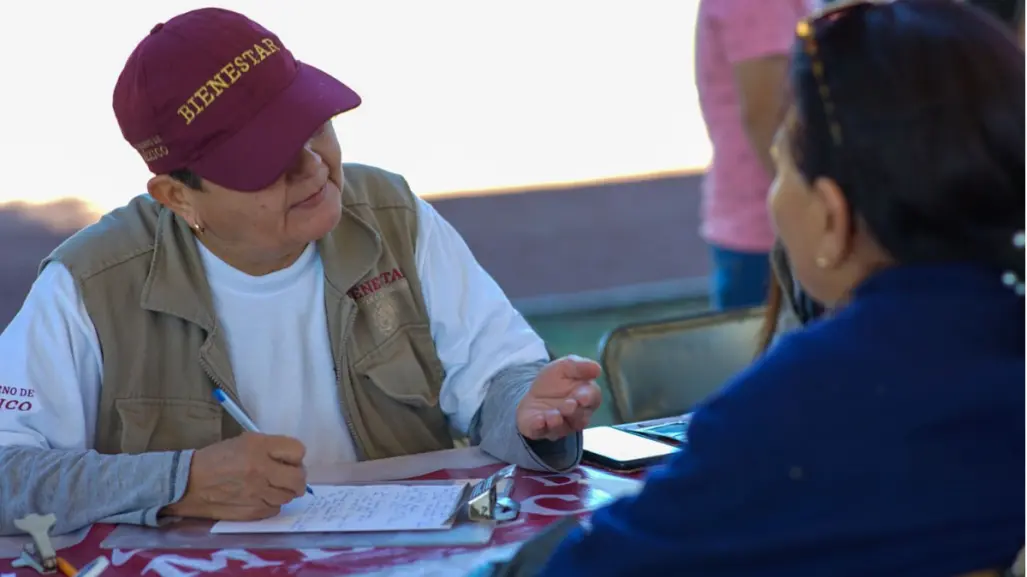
<point>788,305</point>
<point>887,438</point>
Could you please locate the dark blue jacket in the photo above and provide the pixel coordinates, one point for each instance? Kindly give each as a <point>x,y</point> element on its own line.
<point>887,440</point>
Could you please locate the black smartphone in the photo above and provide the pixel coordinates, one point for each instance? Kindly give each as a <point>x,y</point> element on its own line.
<point>673,433</point>
<point>618,450</point>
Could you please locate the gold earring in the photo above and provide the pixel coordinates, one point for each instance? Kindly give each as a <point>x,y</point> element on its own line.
<point>197,228</point>
<point>822,262</point>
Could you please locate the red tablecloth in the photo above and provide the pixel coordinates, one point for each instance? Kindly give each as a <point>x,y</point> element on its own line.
<point>543,498</point>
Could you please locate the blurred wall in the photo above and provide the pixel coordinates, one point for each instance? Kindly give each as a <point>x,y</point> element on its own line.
<point>27,235</point>
<point>588,246</point>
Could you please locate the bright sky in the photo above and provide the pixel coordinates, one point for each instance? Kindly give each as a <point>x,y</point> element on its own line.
<point>458,95</point>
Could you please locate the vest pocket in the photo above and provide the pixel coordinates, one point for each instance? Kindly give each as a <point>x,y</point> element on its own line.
<point>396,394</point>
<point>405,368</point>
<point>167,424</point>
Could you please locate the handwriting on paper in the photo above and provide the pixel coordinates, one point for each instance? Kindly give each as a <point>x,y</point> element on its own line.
<point>360,508</point>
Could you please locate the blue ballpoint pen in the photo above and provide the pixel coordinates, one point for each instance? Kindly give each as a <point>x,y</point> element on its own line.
<point>240,416</point>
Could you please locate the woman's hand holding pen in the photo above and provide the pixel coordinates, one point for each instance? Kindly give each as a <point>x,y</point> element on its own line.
<point>245,478</point>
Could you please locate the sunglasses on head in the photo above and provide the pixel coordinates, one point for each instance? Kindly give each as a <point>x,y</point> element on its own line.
<point>807,31</point>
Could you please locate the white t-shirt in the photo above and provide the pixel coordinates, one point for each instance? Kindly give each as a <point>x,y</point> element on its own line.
<point>51,365</point>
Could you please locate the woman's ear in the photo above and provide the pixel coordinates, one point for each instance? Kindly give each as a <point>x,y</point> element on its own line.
<point>836,238</point>
<point>174,195</point>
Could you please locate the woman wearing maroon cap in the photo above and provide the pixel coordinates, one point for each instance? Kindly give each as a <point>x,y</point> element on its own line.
<point>265,309</point>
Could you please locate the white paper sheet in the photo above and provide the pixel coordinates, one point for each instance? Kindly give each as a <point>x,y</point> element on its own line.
<point>353,508</point>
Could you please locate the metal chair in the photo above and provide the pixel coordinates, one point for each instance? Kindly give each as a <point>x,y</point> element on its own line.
<point>664,368</point>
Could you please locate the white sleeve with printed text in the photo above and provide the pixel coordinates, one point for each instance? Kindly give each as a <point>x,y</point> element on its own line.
<point>477,332</point>
<point>50,368</point>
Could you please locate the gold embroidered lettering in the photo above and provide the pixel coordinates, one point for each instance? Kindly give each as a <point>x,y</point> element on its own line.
<point>232,74</point>
<point>217,84</point>
<point>206,97</point>
<point>271,46</point>
<point>187,113</point>
<point>229,74</point>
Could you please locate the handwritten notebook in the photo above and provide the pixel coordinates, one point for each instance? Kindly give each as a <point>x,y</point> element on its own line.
<point>360,508</point>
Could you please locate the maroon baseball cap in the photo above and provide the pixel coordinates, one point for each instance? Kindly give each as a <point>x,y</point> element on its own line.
<point>216,93</point>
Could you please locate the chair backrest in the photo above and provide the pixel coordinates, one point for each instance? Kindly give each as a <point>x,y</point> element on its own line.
<point>664,368</point>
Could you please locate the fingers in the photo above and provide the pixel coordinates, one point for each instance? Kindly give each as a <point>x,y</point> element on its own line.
<point>588,396</point>
<point>246,477</point>
<point>578,419</point>
<point>276,497</point>
<point>542,424</point>
<point>285,449</point>
<point>283,470</point>
<point>287,479</point>
<point>564,416</point>
<point>554,420</point>
<point>578,368</point>
<point>575,420</point>
<point>554,425</point>
<point>536,427</point>
<point>246,513</point>
<point>568,407</point>
<point>577,410</point>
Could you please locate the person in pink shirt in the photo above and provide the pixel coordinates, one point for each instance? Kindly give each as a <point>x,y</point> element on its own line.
<point>741,66</point>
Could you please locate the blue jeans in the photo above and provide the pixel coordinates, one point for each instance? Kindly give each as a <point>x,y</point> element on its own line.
<point>740,279</point>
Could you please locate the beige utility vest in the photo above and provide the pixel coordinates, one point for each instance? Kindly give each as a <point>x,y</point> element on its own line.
<point>139,273</point>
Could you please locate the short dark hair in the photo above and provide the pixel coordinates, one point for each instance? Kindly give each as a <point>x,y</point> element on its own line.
<point>928,99</point>
<point>188,178</point>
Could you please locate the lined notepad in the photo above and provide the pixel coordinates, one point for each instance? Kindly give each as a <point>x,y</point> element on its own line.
<point>360,508</point>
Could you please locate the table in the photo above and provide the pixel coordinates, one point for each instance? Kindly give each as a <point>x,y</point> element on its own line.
<point>544,498</point>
